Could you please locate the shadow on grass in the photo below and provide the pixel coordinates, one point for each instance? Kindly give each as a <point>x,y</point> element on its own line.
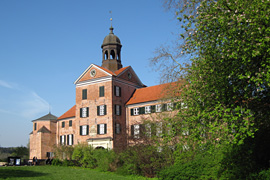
<point>13,173</point>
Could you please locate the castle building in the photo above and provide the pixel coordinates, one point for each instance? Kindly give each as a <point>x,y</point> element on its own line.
<point>111,102</point>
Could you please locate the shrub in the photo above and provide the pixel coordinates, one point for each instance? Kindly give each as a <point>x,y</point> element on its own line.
<point>105,159</point>
<point>142,159</point>
<point>56,162</point>
<point>83,153</point>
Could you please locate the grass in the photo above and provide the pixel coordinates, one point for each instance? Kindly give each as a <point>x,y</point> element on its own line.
<point>57,173</point>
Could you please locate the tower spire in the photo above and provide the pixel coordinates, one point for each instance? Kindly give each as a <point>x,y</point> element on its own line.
<point>111,51</point>
<point>111,18</point>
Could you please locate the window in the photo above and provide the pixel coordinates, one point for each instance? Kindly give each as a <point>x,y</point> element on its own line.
<point>148,129</point>
<point>63,140</point>
<point>183,106</point>
<point>185,131</point>
<point>169,106</point>
<point>63,124</point>
<point>147,109</point>
<point>102,129</point>
<point>84,112</point>
<point>101,91</point>
<point>84,130</point>
<point>158,108</point>
<point>35,126</point>
<point>117,91</point>
<point>134,111</point>
<point>117,110</point>
<point>70,123</point>
<point>70,139</point>
<point>135,131</point>
<point>49,154</point>
<point>117,128</point>
<point>84,94</point>
<point>101,110</point>
<point>159,129</point>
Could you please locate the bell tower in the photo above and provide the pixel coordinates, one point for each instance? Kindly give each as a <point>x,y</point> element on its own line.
<point>111,52</point>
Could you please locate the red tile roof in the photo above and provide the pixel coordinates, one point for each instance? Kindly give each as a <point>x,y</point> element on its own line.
<point>107,70</point>
<point>151,93</point>
<point>70,113</point>
<point>121,70</point>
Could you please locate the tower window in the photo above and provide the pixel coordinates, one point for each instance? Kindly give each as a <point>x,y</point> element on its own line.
<point>112,54</point>
<point>84,94</point>
<point>118,55</point>
<point>84,112</point>
<point>117,91</point>
<point>101,110</point>
<point>101,91</point>
<point>106,55</point>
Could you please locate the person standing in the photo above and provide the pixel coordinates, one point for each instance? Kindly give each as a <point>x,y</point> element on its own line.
<point>34,161</point>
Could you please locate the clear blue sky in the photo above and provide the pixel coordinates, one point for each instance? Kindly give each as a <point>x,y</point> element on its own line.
<point>45,45</point>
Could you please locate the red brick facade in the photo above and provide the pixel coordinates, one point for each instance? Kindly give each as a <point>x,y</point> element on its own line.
<point>102,114</point>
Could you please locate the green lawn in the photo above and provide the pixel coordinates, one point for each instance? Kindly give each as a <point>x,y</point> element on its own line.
<point>58,173</point>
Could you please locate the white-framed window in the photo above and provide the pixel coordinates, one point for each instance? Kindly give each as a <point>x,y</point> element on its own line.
<point>136,111</point>
<point>147,109</point>
<point>84,130</point>
<point>49,154</point>
<point>183,106</point>
<point>117,110</point>
<point>102,128</point>
<point>101,110</point>
<point>169,106</point>
<point>158,108</point>
<point>185,147</point>
<point>63,140</point>
<point>84,112</point>
<point>70,139</point>
<point>185,131</point>
<point>148,129</point>
<point>136,131</point>
<point>117,128</point>
<point>159,129</point>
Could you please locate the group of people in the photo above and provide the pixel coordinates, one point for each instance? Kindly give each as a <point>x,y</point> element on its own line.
<point>35,161</point>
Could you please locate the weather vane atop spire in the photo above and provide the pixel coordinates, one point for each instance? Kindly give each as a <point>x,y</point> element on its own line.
<point>111,18</point>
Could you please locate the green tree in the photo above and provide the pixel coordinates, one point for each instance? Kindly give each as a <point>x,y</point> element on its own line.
<point>21,151</point>
<point>227,94</point>
<point>228,79</point>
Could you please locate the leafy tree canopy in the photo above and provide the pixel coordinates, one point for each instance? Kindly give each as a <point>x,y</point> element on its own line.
<point>228,92</point>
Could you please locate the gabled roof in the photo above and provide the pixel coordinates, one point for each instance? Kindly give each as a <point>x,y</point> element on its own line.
<point>123,70</point>
<point>152,93</point>
<point>108,72</point>
<point>44,130</point>
<point>119,71</point>
<point>70,113</point>
<point>48,117</point>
